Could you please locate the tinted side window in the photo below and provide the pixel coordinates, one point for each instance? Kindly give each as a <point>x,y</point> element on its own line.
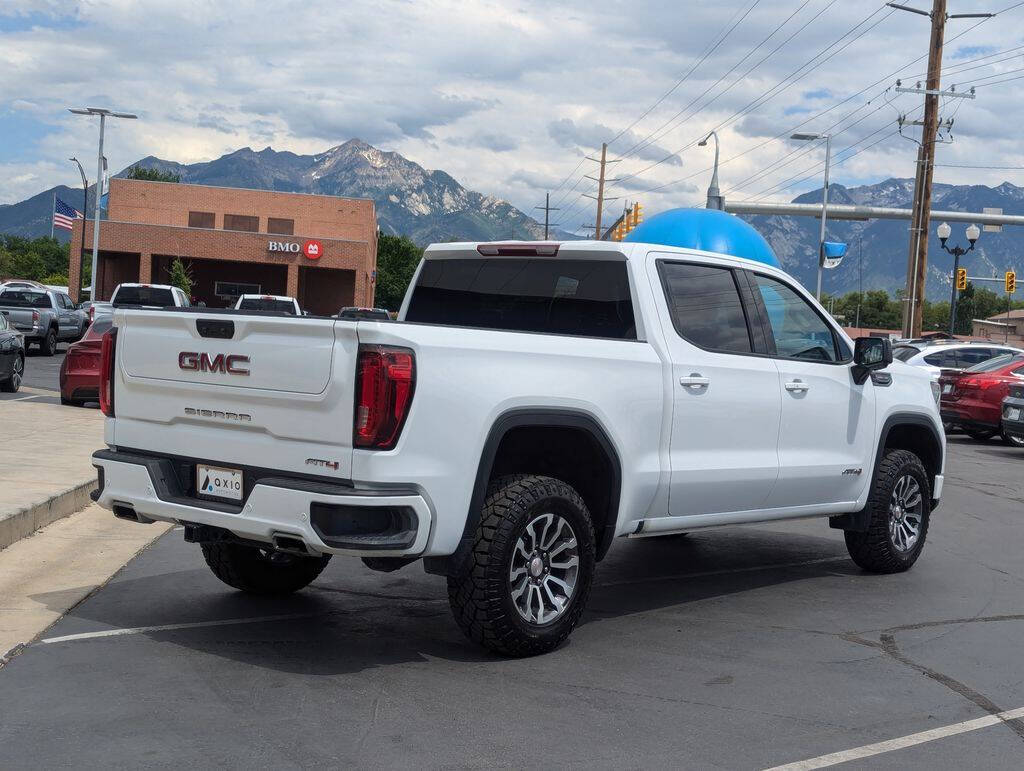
<point>799,332</point>
<point>705,306</point>
<point>945,359</point>
<point>566,297</point>
<point>968,357</point>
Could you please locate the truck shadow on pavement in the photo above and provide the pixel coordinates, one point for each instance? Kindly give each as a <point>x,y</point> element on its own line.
<point>352,619</point>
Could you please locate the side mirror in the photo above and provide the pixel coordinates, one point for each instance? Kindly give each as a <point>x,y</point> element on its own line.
<point>870,354</point>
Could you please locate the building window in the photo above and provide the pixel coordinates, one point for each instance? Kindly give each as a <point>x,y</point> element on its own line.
<point>200,219</point>
<point>241,222</point>
<point>280,226</point>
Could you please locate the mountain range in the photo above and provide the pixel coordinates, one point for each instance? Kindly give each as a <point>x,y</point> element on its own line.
<point>878,248</point>
<point>432,206</point>
<point>425,205</point>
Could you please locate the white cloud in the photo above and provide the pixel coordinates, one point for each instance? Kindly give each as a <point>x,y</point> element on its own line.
<point>476,87</point>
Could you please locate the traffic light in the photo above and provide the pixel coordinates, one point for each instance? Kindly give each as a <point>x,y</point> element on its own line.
<point>1011,282</point>
<point>638,215</point>
<point>961,279</point>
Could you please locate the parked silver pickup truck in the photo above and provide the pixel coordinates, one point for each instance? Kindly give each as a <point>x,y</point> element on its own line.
<point>43,316</point>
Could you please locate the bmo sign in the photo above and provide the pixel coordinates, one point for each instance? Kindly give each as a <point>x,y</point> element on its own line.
<point>312,248</point>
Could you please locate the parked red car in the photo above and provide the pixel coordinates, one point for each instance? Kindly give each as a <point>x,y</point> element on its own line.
<point>80,370</point>
<point>972,399</point>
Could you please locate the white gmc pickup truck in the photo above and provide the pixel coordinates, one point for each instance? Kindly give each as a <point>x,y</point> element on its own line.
<point>531,404</point>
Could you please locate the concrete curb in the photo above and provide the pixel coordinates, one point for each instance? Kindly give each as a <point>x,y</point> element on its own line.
<point>23,522</point>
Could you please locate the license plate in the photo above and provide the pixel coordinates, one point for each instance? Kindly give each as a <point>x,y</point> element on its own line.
<point>1012,413</point>
<point>947,388</point>
<point>219,482</point>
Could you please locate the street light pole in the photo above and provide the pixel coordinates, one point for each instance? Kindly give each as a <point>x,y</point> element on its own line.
<point>85,214</point>
<point>715,199</point>
<point>103,113</point>
<point>943,232</point>
<point>824,201</point>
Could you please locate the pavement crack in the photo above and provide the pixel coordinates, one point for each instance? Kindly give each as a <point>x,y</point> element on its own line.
<point>887,645</point>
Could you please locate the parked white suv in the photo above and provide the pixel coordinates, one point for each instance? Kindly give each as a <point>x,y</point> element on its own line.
<point>933,357</point>
<point>532,404</point>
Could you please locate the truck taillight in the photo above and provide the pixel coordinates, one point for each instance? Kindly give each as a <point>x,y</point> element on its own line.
<point>92,313</point>
<point>107,348</point>
<point>35,317</point>
<point>385,381</point>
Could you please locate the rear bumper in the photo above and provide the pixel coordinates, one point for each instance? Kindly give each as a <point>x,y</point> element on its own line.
<point>1014,427</point>
<point>327,518</point>
<point>970,419</point>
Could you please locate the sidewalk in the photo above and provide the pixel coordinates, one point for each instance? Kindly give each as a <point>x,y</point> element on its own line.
<point>46,468</point>
<point>45,576</point>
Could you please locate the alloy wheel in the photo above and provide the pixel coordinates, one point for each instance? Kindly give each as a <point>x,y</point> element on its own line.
<point>17,372</point>
<point>544,570</point>
<point>906,507</point>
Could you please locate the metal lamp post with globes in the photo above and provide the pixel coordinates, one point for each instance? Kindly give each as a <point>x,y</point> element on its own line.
<point>944,231</point>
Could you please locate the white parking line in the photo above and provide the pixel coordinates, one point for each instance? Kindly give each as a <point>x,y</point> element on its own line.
<point>869,750</point>
<point>170,627</point>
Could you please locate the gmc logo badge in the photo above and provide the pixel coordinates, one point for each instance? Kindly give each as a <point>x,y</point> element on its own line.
<point>192,361</point>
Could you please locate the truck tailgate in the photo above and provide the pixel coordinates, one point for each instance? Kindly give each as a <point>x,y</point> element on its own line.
<point>245,389</point>
<point>18,318</point>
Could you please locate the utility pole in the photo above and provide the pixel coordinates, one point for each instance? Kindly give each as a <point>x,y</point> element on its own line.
<point>600,179</point>
<point>917,261</point>
<point>548,208</point>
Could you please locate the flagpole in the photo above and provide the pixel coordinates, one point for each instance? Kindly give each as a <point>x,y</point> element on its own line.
<point>53,211</point>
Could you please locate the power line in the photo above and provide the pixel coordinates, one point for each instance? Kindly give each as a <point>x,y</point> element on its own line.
<point>786,133</point>
<point>771,95</point>
<point>806,150</point>
<point>763,99</point>
<point>730,26</point>
<point>645,143</point>
<point>692,69</point>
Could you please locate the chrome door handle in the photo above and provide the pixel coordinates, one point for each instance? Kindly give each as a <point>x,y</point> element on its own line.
<point>695,380</point>
<point>797,386</point>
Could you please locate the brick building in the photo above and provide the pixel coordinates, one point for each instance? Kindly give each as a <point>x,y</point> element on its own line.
<point>319,249</point>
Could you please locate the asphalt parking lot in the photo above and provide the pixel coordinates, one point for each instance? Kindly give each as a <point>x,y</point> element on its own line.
<point>42,377</point>
<point>735,648</point>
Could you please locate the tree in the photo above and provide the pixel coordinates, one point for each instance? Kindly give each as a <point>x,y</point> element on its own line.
<point>181,276</point>
<point>152,175</point>
<point>397,258</point>
<point>32,258</point>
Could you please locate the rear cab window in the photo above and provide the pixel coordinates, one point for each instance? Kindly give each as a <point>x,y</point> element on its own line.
<point>142,296</point>
<point>23,298</point>
<point>580,297</point>
<point>267,304</point>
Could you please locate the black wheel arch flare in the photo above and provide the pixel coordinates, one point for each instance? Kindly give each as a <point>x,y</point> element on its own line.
<point>533,417</point>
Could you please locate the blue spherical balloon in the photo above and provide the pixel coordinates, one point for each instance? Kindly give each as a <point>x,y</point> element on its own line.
<point>709,230</point>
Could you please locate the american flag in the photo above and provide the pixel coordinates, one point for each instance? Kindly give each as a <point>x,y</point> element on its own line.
<point>63,215</point>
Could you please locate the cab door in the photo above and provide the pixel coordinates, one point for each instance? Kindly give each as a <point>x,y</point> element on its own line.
<point>726,396</point>
<point>67,317</point>
<point>828,421</point>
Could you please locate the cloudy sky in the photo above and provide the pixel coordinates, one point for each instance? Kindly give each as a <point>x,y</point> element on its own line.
<point>510,97</point>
